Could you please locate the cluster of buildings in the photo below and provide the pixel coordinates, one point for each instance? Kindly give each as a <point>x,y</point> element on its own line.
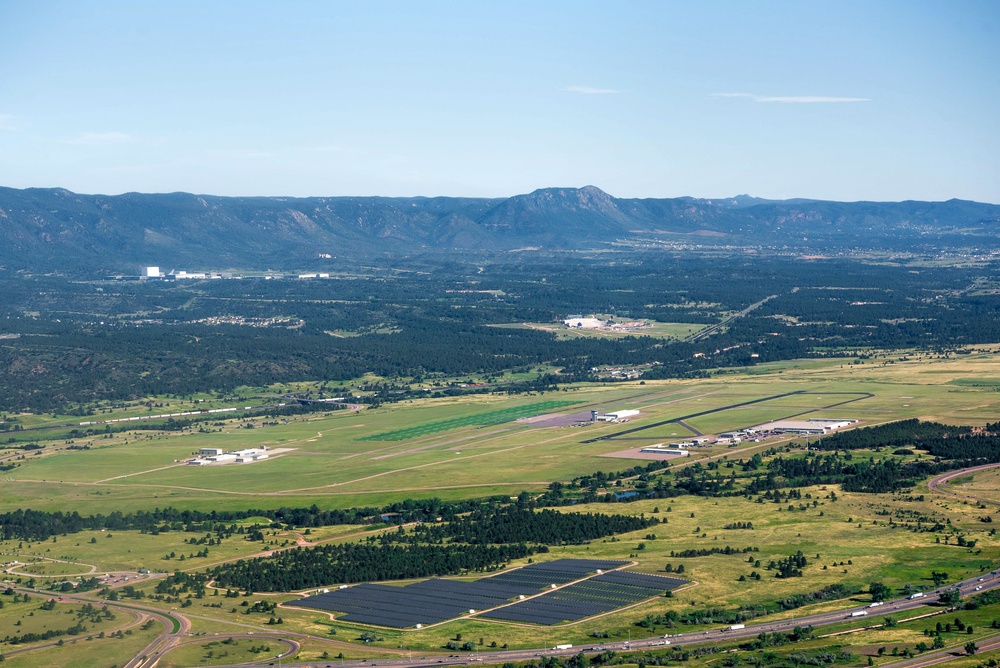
<point>154,272</point>
<point>809,427</point>
<point>208,456</point>
<point>180,275</point>
<point>590,322</point>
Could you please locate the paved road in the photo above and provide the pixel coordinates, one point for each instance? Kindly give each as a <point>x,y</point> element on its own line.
<point>859,396</point>
<point>985,582</point>
<point>712,329</point>
<point>176,628</point>
<point>944,655</point>
<point>169,638</point>
<point>936,483</point>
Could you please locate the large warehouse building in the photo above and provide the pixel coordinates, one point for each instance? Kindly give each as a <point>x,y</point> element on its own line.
<point>810,427</point>
<point>659,449</point>
<point>613,417</point>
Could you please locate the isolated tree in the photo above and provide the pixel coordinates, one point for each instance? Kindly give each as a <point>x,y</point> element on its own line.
<point>879,591</point>
<point>950,596</point>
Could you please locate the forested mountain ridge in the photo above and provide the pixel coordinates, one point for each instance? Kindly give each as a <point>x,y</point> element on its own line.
<point>57,230</point>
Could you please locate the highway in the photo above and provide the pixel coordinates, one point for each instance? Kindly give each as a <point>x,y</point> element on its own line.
<point>985,582</point>
<point>177,627</point>
<point>712,329</point>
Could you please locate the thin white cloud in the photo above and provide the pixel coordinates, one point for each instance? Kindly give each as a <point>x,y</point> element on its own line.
<point>588,90</point>
<point>809,99</point>
<point>794,99</point>
<point>7,122</point>
<point>102,138</point>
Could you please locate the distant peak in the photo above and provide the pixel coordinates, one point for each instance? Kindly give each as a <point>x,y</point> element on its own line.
<point>589,191</point>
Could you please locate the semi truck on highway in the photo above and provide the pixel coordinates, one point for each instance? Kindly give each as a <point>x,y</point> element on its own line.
<point>563,647</point>
<point>735,627</point>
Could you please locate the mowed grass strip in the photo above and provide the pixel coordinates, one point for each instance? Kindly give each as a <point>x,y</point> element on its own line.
<point>479,419</point>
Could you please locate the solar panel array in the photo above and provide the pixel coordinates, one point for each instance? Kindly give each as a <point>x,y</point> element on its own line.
<point>437,600</point>
<point>598,594</point>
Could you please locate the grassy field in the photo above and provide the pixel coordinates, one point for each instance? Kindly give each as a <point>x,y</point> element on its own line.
<point>487,419</point>
<point>333,463</point>
<point>852,552</point>
<point>84,652</point>
<point>981,485</point>
<point>90,552</point>
<point>30,617</point>
<point>846,541</point>
<point>453,448</point>
<point>207,651</point>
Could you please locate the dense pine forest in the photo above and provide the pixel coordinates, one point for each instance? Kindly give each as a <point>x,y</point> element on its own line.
<point>504,535</point>
<point>65,345</point>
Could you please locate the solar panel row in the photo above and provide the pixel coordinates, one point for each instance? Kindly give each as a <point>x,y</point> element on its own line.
<point>436,600</point>
<point>599,594</point>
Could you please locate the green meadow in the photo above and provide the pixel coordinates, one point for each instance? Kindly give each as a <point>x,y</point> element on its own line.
<point>343,459</point>
<point>846,541</point>
<point>339,460</point>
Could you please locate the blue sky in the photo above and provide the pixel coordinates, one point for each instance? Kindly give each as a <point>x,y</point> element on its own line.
<point>832,100</point>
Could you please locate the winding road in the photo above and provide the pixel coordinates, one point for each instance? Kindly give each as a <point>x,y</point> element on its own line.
<point>177,627</point>
<point>936,483</point>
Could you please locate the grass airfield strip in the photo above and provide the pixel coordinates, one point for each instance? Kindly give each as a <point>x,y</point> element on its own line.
<point>330,463</point>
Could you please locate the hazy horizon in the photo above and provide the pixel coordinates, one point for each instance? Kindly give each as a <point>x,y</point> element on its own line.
<point>850,101</point>
<point>496,197</point>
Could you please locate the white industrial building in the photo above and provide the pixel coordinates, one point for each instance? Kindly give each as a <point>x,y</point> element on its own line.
<point>579,322</point>
<point>217,456</point>
<point>152,272</point>
<point>658,449</point>
<point>810,427</point>
<point>615,416</point>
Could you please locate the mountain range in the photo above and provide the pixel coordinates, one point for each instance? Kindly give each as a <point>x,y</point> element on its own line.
<point>44,230</point>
